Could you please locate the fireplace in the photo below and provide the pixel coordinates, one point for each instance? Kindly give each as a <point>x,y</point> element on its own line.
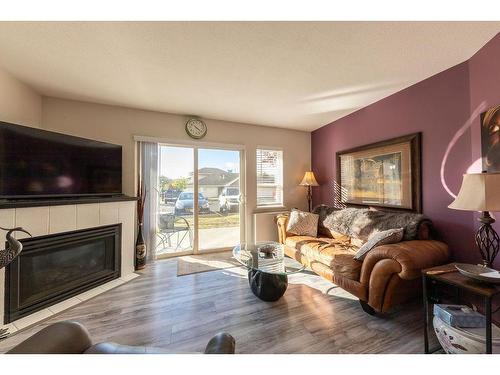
<point>55,267</point>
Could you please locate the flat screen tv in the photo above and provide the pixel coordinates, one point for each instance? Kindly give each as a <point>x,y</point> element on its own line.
<point>36,163</point>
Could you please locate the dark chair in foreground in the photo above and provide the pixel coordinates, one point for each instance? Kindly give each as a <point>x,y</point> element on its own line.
<point>73,338</point>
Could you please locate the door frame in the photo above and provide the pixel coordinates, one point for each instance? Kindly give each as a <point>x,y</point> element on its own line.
<point>196,146</point>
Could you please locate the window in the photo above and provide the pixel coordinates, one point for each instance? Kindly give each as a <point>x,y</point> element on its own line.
<point>269,178</point>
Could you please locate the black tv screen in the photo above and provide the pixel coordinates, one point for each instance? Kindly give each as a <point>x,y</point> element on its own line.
<point>40,163</point>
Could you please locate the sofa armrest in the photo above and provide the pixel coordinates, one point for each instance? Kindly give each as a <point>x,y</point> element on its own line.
<point>406,258</point>
<point>58,338</point>
<point>282,222</point>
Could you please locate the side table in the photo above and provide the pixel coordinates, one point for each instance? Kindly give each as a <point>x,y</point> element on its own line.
<point>435,278</point>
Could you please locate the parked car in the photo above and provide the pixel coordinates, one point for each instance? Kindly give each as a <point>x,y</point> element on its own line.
<point>185,203</point>
<point>229,199</point>
<point>171,195</point>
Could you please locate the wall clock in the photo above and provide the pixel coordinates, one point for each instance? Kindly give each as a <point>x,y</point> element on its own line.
<point>196,128</point>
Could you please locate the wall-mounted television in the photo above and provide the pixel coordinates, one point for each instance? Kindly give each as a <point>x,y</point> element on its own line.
<point>37,163</point>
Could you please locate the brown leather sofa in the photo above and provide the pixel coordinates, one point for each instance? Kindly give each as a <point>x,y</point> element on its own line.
<point>72,338</point>
<point>388,276</point>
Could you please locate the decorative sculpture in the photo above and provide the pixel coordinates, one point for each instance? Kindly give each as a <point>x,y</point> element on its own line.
<point>13,249</point>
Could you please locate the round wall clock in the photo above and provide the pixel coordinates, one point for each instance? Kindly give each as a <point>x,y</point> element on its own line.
<point>196,128</point>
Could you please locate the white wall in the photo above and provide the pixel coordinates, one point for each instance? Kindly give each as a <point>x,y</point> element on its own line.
<point>119,125</point>
<point>19,103</point>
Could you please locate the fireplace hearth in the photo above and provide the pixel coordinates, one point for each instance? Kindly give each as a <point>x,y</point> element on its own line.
<point>55,267</point>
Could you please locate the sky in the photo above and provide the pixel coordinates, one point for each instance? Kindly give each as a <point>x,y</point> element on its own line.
<point>178,162</point>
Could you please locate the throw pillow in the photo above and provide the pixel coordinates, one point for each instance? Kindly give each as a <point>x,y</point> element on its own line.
<point>303,223</point>
<point>380,238</point>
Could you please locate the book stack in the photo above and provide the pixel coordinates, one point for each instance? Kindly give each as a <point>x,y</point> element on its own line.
<point>459,316</point>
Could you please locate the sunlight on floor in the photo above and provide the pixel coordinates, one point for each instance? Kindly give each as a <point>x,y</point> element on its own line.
<point>302,278</point>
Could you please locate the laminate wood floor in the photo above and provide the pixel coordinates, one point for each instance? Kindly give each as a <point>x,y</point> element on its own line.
<point>182,313</point>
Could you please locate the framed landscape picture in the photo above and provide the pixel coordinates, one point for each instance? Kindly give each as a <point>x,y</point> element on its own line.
<point>490,139</point>
<point>382,174</point>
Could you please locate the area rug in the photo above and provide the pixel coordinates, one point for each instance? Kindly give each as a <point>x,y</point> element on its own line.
<point>190,264</point>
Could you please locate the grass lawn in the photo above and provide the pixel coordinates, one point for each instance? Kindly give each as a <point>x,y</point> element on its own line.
<point>215,220</point>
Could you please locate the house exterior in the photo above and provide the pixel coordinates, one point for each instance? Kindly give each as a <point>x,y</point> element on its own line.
<point>213,180</point>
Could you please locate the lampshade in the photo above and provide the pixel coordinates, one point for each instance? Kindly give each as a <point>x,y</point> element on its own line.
<point>309,179</point>
<point>479,192</point>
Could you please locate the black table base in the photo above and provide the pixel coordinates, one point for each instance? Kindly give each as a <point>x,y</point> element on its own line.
<point>268,287</point>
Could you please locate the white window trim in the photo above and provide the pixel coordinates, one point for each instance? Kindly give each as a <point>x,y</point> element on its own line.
<point>274,205</point>
<point>188,143</point>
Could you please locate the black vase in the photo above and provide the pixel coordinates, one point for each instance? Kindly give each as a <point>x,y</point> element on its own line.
<point>140,250</point>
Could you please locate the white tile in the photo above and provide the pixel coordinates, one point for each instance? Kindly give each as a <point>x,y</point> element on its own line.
<point>11,327</point>
<point>130,276</point>
<point>62,218</point>
<point>112,284</point>
<point>7,218</point>
<point>33,318</point>
<point>34,219</point>
<point>87,216</point>
<point>108,213</point>
<point>127,218</point>
<point>128,250</point>
<point>90,293</point>
<point>61,306</point>
<point>127,211</point>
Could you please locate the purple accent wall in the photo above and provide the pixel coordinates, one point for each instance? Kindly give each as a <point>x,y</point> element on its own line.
<point>438,107</point>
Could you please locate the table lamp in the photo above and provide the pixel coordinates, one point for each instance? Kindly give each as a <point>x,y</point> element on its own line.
<point>309,180</point>
<point>481,192</point>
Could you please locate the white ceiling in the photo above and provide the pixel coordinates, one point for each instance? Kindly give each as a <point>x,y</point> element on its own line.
<point>298,75</point>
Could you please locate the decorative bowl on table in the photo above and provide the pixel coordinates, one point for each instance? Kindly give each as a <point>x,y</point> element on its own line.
<point>455,340</point>
<point>479,272</point>
<point>267,250</point>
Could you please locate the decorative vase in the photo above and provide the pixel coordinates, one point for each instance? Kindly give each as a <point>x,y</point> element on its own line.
<point>140,250</point>
<point>456,340</point>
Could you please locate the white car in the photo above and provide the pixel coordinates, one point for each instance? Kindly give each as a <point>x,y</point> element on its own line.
<point>228,199</point>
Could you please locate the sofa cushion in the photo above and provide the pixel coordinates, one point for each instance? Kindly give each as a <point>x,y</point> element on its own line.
<point>338,255</point>
<point>339,236</point>
<point>302,223</point>
<point>298,241</point>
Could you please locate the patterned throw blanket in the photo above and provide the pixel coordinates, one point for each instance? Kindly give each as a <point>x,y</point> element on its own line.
<point>362,222</point>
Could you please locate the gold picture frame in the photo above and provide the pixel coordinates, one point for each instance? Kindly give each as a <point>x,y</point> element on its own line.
<point>490,139</point>
<point>382,174</point>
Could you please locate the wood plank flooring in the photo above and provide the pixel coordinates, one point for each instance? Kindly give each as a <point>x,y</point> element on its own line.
<point>182,313</point>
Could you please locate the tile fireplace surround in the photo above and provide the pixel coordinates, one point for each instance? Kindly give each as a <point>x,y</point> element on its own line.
<point>43,220</point>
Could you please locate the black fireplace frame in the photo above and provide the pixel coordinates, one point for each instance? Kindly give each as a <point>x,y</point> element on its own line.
<point>14,310</point>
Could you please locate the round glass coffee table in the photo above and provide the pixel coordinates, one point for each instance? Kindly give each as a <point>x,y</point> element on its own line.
<point>268,268</point>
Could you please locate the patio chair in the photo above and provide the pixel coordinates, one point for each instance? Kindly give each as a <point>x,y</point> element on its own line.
<point>172,227</point>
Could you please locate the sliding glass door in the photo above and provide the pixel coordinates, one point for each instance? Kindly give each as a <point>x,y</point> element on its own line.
<point>219,198</point>
<point>200,205</point>
<point>175,226</point>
